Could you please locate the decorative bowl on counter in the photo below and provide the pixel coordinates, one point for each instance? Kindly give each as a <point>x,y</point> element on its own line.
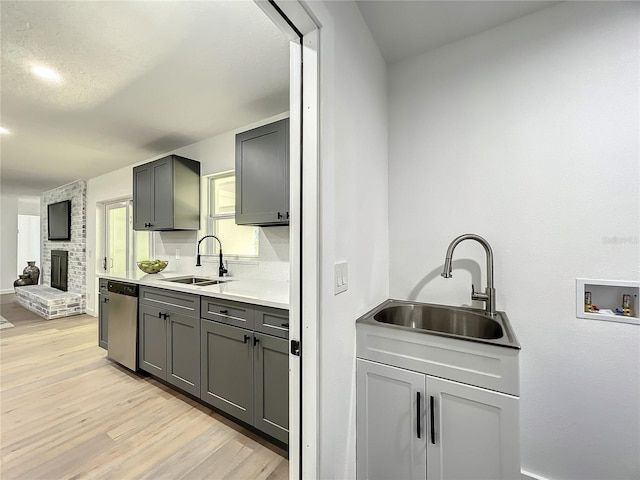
<point>152,266</point>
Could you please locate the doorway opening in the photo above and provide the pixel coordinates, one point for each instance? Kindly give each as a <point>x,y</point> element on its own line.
<point>28,241</point>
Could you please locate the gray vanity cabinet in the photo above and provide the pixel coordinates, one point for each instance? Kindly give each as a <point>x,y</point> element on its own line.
<point>169,336</point>
<point>227,369</point>
<point>166,194</point>
<point>103,313</point>
<point>271,383</point>
<point>262,175</point>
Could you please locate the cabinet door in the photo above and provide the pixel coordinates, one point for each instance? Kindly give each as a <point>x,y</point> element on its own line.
<point>152,338</point>
<point>262,175</point>
<point>390,422</point>
<point>183,352</point>
<point>475,434</point>
<point>142,205</point>
<point>271,383</point>
<point>162,194</point>
<point>227,369</point>
<point>103,320</point>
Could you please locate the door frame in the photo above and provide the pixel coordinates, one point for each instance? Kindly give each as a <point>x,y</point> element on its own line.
<point>303,31</point>
<point>110,206</point>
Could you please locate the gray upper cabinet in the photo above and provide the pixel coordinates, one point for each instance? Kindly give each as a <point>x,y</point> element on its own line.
<point>166,194</point>
<point>262,175</point>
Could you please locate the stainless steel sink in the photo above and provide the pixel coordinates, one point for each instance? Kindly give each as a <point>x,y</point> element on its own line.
<point>197,281</point>
<point>457,322</point>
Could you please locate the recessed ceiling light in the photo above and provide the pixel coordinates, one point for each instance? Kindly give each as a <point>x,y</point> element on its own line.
<point>46,73</point>
<point>4,131</point>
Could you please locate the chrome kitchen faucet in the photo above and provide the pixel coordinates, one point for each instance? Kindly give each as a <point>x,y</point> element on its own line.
<point>489,295</point>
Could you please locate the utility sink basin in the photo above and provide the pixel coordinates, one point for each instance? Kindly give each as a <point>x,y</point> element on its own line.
<point>457,322</point>
<point>197,281</point>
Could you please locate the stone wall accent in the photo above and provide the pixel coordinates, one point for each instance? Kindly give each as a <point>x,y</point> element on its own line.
<point>77,246</point>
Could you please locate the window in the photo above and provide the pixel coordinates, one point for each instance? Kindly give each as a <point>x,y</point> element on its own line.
<point>238,241</point>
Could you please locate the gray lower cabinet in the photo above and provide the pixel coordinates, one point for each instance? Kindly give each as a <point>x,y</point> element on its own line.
<point>152,341</point>
<point>226,369</point>
<point>169,337</point>
<point>262,175</point>
<point>271,383</point>
<point>103,314</point>
<point>246,374</point>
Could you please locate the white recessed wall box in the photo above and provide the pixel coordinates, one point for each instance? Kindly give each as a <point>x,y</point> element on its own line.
<point>603,300</point>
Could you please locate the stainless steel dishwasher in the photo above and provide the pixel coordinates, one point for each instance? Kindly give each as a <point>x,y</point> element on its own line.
<point>122,330</point>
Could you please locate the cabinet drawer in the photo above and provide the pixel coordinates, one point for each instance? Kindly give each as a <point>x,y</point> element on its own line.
<point>228,312</point>
<point>273,321</point>
<point>184,303</point>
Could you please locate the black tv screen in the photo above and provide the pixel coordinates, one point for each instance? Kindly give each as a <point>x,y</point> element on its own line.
<point>59,220</point>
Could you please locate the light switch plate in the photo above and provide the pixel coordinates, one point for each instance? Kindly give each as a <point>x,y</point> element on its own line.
<point>341,277</point>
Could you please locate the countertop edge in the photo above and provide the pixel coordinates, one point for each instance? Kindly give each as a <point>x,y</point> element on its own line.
<point>215,291</point>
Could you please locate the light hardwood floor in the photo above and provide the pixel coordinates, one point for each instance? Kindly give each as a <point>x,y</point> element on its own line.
<point>66,412</point>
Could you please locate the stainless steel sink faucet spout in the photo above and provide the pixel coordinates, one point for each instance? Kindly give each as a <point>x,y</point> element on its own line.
<point>489,295</point>
<point>221,269</point>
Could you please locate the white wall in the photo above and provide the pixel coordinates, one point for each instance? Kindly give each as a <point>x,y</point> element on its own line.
<point>216,154</point>
<point>528,134</point>
<point>10,207</point>
<point>353,215</point>
<point>8,243</point>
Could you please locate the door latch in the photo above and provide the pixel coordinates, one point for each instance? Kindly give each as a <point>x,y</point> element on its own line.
<point>295,348</point>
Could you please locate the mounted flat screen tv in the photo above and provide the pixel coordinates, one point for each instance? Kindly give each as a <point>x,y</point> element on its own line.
<point>59,220</point>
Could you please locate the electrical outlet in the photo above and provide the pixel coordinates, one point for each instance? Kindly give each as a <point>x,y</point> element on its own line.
<point>341,278</point>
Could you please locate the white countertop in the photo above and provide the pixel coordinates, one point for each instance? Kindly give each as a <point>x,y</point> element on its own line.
<point>268,293</point>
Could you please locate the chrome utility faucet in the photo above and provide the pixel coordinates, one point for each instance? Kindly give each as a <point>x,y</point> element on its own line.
<point>489,295</point>
<point>221,269</point>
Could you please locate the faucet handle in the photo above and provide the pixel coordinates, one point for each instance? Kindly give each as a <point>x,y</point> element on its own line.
<point>478,296</point>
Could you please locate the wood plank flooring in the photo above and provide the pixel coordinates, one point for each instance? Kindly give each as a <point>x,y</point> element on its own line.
<point>66,412</point>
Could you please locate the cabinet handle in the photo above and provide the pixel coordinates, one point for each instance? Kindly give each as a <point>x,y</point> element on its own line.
<point>247,338</point>
<point>287,215</point>
<point>433,419</point>
<point>159,314</point>
<point>106,299</point>
<point>166,315</point>
<point>285,325</point>
<point>418,415</point>
<point>256,340</point>
<point>224,312</point>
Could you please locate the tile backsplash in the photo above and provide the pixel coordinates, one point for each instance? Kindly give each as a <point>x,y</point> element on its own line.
<point>272,262</point>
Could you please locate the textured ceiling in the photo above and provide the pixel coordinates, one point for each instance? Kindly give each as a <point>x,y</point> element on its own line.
<point>138,79</point>
<point>403,29</point>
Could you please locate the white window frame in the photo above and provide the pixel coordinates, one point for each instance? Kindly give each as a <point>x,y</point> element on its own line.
<point>211,219</point>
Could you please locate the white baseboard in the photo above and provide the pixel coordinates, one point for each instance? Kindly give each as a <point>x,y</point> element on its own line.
<point>531,476</point>
<point>93,313</point>
<point>6,290</point>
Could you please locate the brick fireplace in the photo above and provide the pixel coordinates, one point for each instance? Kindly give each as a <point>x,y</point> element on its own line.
<point>75,248</point>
